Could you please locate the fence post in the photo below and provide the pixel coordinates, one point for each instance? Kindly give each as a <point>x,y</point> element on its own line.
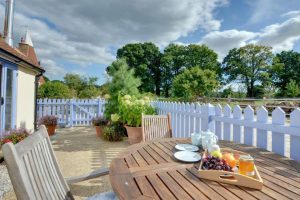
<point>99,107</point>
<point>71,112</point>
<point>207,122</point>
<point>295,139</point>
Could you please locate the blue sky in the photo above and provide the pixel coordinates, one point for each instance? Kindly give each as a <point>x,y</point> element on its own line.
<point>74,36</point>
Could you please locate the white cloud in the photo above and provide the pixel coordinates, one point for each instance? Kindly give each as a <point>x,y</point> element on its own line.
<point>116,22</point>
<point>53,70</point>
<point>84,31</point>
<point>223,41</point>
<point>280,36</point>
<point>293,13</point>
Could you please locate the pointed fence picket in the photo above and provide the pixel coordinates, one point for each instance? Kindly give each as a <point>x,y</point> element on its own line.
<point>71,112</point>
<point>232,124</point>
<point>238,125</point>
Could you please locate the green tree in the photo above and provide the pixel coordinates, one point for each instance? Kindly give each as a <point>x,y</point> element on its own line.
<point>194,82</point>
<point>55,90</point>
<point>123,81</point>
<point>286,67</point>
<point>83,87</point>
<point>202,56</point>
<point>292,89</point>
<point>144,58</point>
<point>248,65</point>
<point>74,82</point>
<point>176,58</point>
<point>172,63</point>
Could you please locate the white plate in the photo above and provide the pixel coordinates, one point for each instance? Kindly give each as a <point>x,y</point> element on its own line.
<point>186,147</point>
<point>187,156</point>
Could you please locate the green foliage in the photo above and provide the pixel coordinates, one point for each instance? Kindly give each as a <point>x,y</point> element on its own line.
<point>99,121</point>
<point>176,58</point>
<point>54,89</point>
<point>83,87</point>
<point>194,82</point>
<point>131,110</point>
<point>123,81</point>
<point>292,89</point>
<point>286,67</point>
<point>114,132</point>
<point>248,65</point>
<point>88,93</point>
<point>230,93</point>
<point>144,58</point>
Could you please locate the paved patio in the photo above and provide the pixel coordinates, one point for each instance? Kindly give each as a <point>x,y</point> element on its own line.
<point>79,151</point>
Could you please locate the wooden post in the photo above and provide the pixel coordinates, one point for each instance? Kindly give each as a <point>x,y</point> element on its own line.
<point>71,112</point>
<point>237,129</point>
<point>262,135</point>
<point>278,139</point>
<point>227,126</point>
<point>218,127</point>
<point>248,131</point>
<point>295,138</point>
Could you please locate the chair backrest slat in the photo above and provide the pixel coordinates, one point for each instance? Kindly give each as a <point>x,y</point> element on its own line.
<point>33,169</point>
<point>156,126</point>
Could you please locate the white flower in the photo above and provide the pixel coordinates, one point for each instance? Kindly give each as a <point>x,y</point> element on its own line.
<point>115,117</point>
<point>127,97</point>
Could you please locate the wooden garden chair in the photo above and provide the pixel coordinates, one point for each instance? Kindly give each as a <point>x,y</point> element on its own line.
<point>35,173</point>
<point>156,126</point>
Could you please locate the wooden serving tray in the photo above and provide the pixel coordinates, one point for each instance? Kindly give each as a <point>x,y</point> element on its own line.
<point>233,178</point>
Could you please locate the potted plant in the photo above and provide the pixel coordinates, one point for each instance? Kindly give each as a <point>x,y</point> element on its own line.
<point>131,110</point>
<point>15,136</point>
<point>99,122</point>
<point>50,121</point>
<point>115,131</point>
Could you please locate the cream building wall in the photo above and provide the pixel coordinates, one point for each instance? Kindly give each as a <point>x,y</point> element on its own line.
<point>25,99</point>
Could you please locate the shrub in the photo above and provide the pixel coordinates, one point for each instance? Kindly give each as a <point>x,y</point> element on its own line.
<point>99,121</point>
<point>292,89</point>
<point>123,81</point>
<point>54,89</point>
<point>131,110</point>
<point>194,82</point>
<point>48,120</point>
<point>114,132</point>
<point>14,136</point>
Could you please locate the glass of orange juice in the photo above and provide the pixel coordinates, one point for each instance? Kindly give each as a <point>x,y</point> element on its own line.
<point>246,165</point>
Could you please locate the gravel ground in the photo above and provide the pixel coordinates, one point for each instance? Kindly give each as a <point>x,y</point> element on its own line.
<point>5,184</point>
<point>78,151</point>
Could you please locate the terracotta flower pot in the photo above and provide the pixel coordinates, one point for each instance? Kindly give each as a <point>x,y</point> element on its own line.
<point>134,134</point>
<point>51,129</point>
<point>99,130</point>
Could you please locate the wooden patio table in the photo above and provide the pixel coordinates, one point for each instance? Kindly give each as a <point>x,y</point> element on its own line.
<point>149,171</point>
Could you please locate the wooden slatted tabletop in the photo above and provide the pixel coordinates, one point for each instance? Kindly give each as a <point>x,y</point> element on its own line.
<point>149,171</point>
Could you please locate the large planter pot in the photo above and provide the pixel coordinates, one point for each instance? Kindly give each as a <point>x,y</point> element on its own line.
<point>134,134</point>
<point>51,129</point>
<point>99,130</point>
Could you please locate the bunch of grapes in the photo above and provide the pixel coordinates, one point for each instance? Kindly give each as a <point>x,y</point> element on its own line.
<point>214,163</point>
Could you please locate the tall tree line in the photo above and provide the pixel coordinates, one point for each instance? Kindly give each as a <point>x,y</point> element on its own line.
<point>253,66</point>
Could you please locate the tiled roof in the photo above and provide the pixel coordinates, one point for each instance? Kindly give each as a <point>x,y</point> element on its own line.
<point>30,59</point>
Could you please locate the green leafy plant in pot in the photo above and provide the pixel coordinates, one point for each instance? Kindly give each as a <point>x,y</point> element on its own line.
<point>131,110</point>
<point>50,121</point>
<point>99,122</point>
<point>115,131</point>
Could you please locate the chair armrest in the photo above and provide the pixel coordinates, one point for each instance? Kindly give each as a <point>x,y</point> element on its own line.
<point>93,174</point>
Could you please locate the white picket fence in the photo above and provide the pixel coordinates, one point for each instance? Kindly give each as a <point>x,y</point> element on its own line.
<point>71,112</point>
<point>274,133</point>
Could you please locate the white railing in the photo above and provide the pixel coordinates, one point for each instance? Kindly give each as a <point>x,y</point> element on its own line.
<point>71,112</point>
<point>275,133</point>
